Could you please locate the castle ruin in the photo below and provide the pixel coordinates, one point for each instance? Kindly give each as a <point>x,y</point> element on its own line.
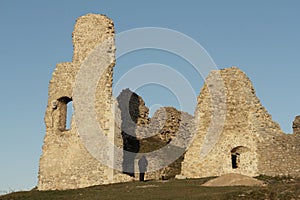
<point>250,142</point>
<point>246,139</point>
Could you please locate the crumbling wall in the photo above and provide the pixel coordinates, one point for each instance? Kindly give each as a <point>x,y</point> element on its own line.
<point>246,140</point>
<point>65,162</point>
<point>296,126</point>
<point>134,114</point>
<point>234,99</point>
<point>167,126</point>
<point>144,135</point>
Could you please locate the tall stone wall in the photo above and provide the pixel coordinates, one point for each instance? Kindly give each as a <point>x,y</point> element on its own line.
<point>242,141</point>
<point>233,132</point>
<point>65,162</point>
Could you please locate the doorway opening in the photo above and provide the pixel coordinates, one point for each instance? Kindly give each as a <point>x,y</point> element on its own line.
<point>235,159</point>
<point>237,156</point>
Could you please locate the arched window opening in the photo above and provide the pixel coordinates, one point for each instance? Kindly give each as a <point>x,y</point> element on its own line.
<point>64,109</point>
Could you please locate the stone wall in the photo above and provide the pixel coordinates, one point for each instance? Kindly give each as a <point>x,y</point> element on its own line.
<point>296,126</point>
<point>231,132</point>
<point>171,127</point>
<point>134,114</point>
<point>244,140</point>
<point>144,135</point>
<point>279,155</point>
<point>65,162</point>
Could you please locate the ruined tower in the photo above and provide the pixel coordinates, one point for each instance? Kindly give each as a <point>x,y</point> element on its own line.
<point>236,134</point>
<point>231,132</point>
<point>65,162</point>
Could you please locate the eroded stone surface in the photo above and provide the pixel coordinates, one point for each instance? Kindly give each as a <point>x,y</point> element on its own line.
<point>296,125</point>
<point>248,141</point>
<point>144,135</point>
<point>65,163</point>
<point>242,137</point>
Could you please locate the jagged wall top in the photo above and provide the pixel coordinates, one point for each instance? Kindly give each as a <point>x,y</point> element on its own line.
<point>242,104</point>
<point>296,125</point>
<point>65,162</point>
<point>228,115</point>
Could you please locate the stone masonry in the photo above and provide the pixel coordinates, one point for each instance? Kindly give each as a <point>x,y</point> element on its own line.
<point>249,141</point>
<point>296,126</point>
<point>231,131</point>
<point>65,162</point>
<point>142,134</point>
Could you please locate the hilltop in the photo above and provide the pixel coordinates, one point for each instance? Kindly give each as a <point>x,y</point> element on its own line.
<point>278,188</point>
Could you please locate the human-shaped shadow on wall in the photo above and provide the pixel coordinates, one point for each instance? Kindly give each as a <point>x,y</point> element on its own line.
<point>143,163</point>
<point>129,105</point>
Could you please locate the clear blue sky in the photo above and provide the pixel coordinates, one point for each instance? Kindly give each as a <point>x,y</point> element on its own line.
<point>260,37</point>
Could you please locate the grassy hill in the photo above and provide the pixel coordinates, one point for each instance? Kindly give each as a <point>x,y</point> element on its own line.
<point>278,188</point>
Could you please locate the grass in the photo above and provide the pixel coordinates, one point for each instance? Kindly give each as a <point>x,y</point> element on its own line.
<point>278,188</point>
